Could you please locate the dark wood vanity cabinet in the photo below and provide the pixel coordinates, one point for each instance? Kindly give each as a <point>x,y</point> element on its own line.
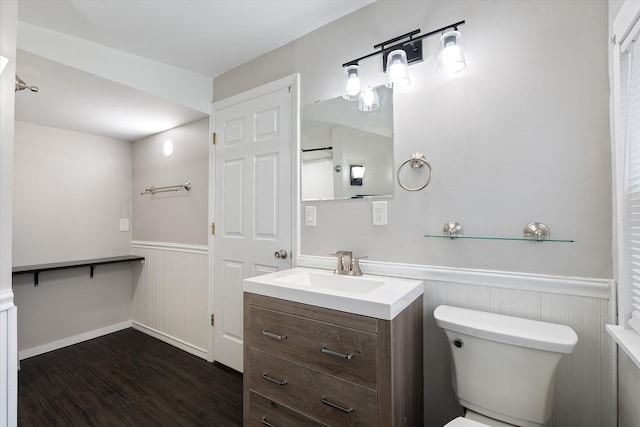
<point>311,366</point>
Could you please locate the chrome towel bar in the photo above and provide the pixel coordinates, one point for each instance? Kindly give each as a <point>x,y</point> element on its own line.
<point>154,190</point>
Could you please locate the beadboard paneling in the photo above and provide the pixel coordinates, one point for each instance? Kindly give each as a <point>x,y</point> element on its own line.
<point>8,359</point>
<point>170,294</point>
<point>582,386</point>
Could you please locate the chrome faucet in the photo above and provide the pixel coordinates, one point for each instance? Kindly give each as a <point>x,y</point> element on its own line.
<point>348,264</point>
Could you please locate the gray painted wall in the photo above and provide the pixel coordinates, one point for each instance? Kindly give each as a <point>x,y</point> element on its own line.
<point>70,191</point>
<point>521,135</point>
<point>175,217</point>
<point>8,32</point>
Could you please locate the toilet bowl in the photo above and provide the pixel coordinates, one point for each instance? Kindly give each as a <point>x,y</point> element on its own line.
<point>473,419</point>
<point>464,422</point>
<point>503,367</point>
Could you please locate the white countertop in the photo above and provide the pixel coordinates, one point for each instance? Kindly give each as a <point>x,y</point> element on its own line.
<point>381,297</point>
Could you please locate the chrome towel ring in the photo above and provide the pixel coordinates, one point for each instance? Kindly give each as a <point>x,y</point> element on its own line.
<point>416,160</point>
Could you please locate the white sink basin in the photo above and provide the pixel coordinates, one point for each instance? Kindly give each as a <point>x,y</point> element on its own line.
<point>333,282</point>
<point>375,296</point>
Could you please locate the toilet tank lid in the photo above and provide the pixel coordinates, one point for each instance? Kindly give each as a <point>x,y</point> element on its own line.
<point>507,329</point>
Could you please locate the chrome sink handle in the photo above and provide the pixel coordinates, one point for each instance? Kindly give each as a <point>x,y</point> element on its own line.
<point>355,271</point>
<point>340,266</point>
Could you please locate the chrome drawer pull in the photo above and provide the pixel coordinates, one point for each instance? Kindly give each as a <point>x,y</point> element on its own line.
<point>336,354</point>
<point>274,336</point>
<point>268,378</point>
<point>333,405</point>
<point>265,422</point>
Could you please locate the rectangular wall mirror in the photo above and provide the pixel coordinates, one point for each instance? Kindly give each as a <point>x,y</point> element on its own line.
<point>347,153</point>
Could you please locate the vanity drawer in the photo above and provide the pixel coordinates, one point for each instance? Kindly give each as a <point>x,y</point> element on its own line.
<point>341,351</point>
<point>328,399</point>
<point>265,412</point>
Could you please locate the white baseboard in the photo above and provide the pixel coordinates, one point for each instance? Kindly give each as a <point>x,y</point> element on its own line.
<point>182,345</point>
<point>65,342</point>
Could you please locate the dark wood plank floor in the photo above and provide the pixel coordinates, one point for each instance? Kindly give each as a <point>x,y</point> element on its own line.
<point>127,379</point>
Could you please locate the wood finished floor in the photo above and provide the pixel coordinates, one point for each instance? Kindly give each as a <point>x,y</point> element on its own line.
<point>127,379</point>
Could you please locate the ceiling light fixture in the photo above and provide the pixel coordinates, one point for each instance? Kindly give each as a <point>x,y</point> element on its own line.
<point>167,148</point>
<point>399,52</point>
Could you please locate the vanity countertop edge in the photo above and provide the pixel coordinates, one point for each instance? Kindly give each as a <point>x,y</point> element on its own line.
<point>385,302</point>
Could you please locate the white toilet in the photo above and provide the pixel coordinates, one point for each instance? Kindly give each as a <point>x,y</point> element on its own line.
<point>503,368</point>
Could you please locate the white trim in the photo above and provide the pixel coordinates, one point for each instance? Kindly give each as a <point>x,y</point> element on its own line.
<point>211,217</point>
<point>6,300</point>
<point>623,24</point>
<point>628,340</point>
<point>8,359</point>
<point>577,286</point>
<point>182,345</point>
<point>65,342</point>
<point>174,247</point>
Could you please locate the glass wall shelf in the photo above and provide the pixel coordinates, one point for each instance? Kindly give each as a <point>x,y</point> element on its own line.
<point>519,239</point>
<point>533,232</point>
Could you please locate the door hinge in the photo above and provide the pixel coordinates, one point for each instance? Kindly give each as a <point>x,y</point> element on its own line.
<point>213,228</point>
<point>213,320</point>
<point>213,138</point>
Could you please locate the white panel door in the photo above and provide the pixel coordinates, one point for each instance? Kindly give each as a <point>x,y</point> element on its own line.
<point>252,206</point>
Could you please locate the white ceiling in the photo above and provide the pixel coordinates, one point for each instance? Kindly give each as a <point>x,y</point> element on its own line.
<point>206,37</point>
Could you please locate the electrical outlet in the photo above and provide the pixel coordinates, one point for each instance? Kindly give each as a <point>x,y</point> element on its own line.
<point>379,211</point>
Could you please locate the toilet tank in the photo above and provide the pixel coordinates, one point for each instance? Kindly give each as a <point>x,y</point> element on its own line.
<point>505,367</point>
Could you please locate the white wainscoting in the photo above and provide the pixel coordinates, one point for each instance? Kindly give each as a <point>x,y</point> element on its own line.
<point>170,294</point>
<point>8,359</point>
<point>584,380</point>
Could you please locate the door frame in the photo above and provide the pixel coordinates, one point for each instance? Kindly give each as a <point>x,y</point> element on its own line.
<point>292,81</point>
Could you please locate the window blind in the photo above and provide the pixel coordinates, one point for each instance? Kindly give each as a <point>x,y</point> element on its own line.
<point>630,105</point>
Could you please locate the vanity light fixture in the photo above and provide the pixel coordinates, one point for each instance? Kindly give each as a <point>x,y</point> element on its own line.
<point>369,100</point>
<point>399,52</point>
<point>397,69</point>
<point>451,55</point>
<point>352,85</point>
<point>3,63</point>
<point>357,173</point>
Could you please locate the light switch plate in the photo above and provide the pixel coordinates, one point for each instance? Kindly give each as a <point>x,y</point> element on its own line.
<point>124,224</point>
<point>379,212</point>
<point>310,216</point>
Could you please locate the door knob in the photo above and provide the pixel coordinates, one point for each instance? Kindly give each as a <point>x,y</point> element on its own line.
<point>281,254</point>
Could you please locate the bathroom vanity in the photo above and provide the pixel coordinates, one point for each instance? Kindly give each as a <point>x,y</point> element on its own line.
<point>311,364</point>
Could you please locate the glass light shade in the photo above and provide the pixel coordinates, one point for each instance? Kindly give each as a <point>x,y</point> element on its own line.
<point>3,63</point>
<point>397,69</point>
<point>451,54</point>
<point>369,100</point>
<point>352,84</point>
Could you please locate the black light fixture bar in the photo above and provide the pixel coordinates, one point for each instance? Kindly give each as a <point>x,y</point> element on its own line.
<point>413,46</point>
